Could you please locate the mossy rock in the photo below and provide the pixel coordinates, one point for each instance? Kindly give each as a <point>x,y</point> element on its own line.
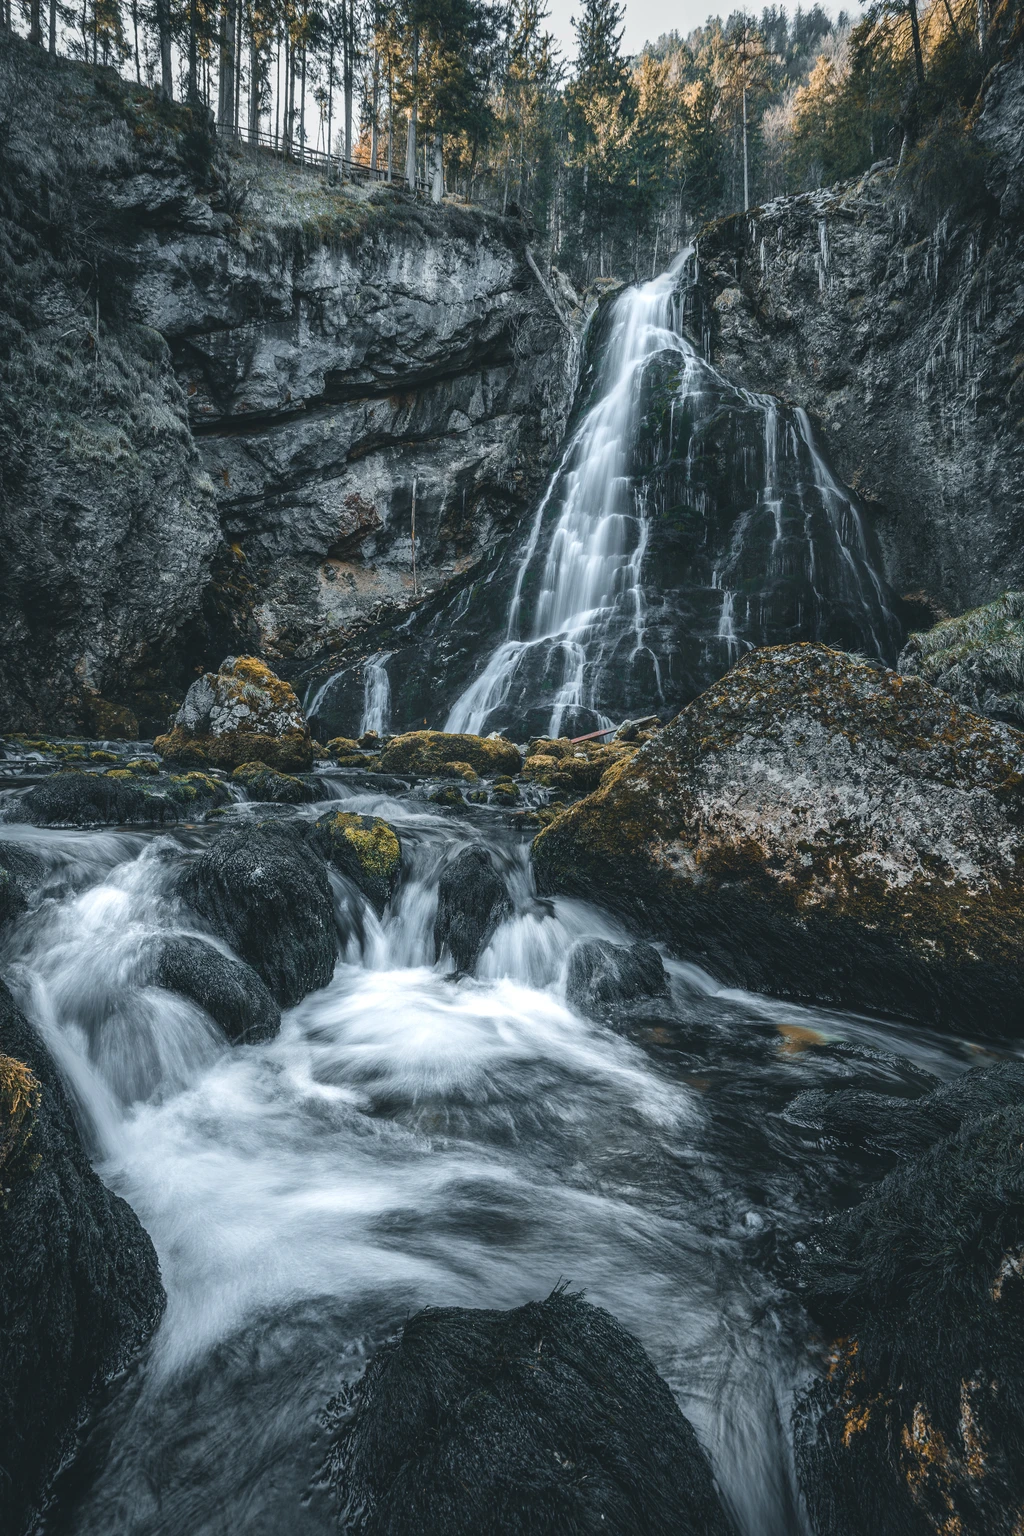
<point>103,757</point>
<point>426,753</point>
<point>109,722</point>
<point>364,848</point>
<point>263,783</point>
<point>447,794</point>
<point>478,797</point>
<point>342,746</point>
<point>243,713</point>
<point>819,827</point>
<point>125,775</point>
<point>352,760</point>
<point>197,792</point>
<point>143,765</point>
<point>291,752</point>
<point>460,771</point>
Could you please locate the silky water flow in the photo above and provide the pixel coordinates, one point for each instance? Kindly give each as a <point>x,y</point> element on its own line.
<point>415,1137</point>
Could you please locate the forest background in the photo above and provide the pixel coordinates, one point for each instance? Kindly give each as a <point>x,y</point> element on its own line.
<point>613,160</point>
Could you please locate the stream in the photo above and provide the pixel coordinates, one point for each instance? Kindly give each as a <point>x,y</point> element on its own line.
<point>415,1138</point>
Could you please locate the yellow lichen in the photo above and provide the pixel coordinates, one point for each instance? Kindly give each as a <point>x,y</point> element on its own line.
<point>19,1100</point>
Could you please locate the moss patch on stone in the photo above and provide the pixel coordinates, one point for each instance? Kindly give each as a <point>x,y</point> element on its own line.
<point>263,783</point>
<point>364,848</point>
<point>291,752</point>
<point>19,1101</point>
<point>428,754</point>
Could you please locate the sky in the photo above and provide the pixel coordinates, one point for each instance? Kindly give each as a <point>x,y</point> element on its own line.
<point>648,19</point>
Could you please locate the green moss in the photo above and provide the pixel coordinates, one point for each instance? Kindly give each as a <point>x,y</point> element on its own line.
<point>20,1094</point>
<point>144,765</point>
<point>427,753</point>
<point>103,757</point>
<point>366,849</point>
<point>263,783</point>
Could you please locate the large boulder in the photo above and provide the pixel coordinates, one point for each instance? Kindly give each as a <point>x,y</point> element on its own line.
<point>87,800</point>
<point>364,848</point>
<point>472,900</point>
<point>241,714</point>
<point>427,754</point>
<point>818,827</point>
<point>977,657</point>
<point>541,1421</point>
<point>261,782</point>
<point>265,891</point>
<point>230,991</point>
<point>80,1287</point>
<point>917,1428</point>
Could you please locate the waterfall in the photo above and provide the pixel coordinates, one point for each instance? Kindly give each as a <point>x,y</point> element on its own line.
<point>376,694</point>
<point>687,521</point>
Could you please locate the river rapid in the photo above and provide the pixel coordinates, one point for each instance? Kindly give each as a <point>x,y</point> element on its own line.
<point>412,1138</point>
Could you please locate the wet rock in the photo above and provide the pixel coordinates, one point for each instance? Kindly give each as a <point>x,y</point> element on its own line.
<point>263,783</point>
<point>265,892</point>
<point>241,714</point>
<point>917,1426</point>
<point>540,1421</point>
<point>364,848</point>
<point>977,657</point>
<point>12,897</point>
<point>600,974</point>
<point>230,991</point>
<point>193,794</point>
<point>87,800</point>
<point>579,767</point>
<point>471,901</point>
<point>80,1289</point>
<point>430,753</point>
<point>817,827</point>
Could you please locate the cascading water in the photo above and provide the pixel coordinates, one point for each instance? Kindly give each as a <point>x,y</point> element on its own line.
<point>687,521</point>
<point>414,1137</point>
<point>376,694</point>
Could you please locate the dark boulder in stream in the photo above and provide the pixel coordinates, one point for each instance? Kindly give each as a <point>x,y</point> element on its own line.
<point>815,826</point>
<point>548,1420</point>
<point>265,891</point>
<point>87,800</point>
<point>80,1287</point>
<point>230,991</point>
<point>918,1426</point>
<point>365,849</point>
<point>471,901</point>
<point>600,974</point>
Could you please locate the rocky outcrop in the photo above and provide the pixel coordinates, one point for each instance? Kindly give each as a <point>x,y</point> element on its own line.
<point>600,974</point>
<point>815,826</point>
<point>364,848</point>
<point>903,333</point>
<point>427,754</point>
<point>916,1427</point>
<point>472,900</point>
<point>240,379</point>
<point>977,657</point>
<point>540,1421</point>
<point>226,988</point>
<point>80,1288</point>
<point>242,713</point>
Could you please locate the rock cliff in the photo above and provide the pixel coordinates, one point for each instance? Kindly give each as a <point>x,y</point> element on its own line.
<point>226,384</point>
<point>903,332</point>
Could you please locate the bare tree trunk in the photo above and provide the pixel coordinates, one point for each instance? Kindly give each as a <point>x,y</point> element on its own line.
<point>35,29</point>
<point>255,82</point>
<point>391,118</point>
<point>226,74</point>
<point>193,55</point>
<point>437,181</point>
<point>330,106</point>
<point>255,73</point>
<point>374,107</point>
<point>915,34</point>
<point>348,65</point>
<point>163,26</point>
<point>410,145</point>
<point>53,28</point>
<point>302,102</point>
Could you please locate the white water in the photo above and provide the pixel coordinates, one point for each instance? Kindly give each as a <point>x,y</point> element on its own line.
<point>376,694</point>
<point>412,1139</point>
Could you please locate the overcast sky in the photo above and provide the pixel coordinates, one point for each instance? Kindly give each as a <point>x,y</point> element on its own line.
<point>647,19</point>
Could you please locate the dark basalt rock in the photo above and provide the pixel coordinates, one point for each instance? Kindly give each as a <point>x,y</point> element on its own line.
<point>815,826</point>
<point>87,800</point>
<point>230,991</point>
<point>80,1289</point>
<point>262,782</point>
<point>548,1420</point>
<point>918,1426</point>
<point>12,898</point>
<point>471,902</point>
<point>601,974</point>
<point>265,892</point>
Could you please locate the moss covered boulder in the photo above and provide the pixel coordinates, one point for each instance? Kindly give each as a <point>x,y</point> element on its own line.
<point>430,754</point>
<point>814,826</point>
<point>917,1426</point>
<point>193,794</point>
<point>241,714</point>
<point>977,657</point>
<point>364,848</point>
<point>575,766</point>
<point>80,1288</point>
<point>263,783</point>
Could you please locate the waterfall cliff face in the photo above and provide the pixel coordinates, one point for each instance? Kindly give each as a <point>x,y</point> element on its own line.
<point>687,521</point>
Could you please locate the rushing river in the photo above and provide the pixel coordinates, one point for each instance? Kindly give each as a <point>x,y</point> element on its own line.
<point>411,1138</point>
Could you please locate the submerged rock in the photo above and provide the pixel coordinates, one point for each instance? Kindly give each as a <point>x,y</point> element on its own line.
<point>265,892</point>
<point>601,974</point>
<point>817,827</point>
<point>977,657</point>
<point>471,901</point>
<point>430,753</point>
<point>230,991</point>
<point>541,1421</point>
<point>80,1287</point>
<point>918,1427</point>
<point>87,800</point>
<point>364,848</point>
<point>263,783</point>
<point>241,714</point>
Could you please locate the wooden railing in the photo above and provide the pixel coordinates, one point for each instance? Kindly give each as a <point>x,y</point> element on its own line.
<point>319,159</point>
